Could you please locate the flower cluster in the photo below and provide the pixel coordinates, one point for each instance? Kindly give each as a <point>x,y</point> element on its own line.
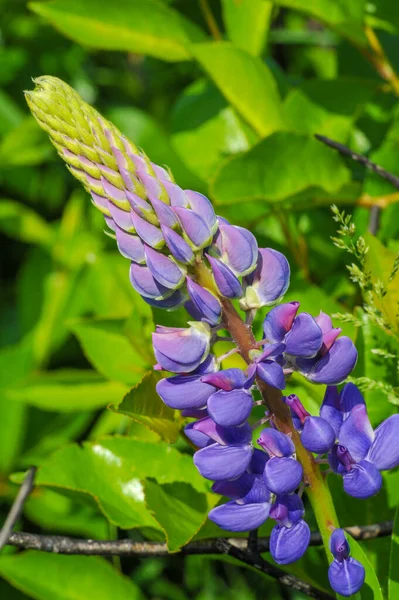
<point>181,252</point>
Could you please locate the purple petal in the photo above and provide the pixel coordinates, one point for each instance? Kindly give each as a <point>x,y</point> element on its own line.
<point>324,322</point>
<point>230,409</point>
<point>287,510</point>
<point>181,350</point>
<point>236,488</point>
<point>224,435</point>
<point>330,409</point>
<point>258,492</point>
<point>346,577</point>
<point>279,320</point>
<point>165,213</point>
<point>210,365</point>
<point>195,227</point>
<point>201,205</point>
<point>163,269</point>
<point>240,517</point>
<point>177,245</point>
<point>271,373</point>
<point>317,435</point>
<point>198,438</point>
<point>176,195</point>
<point>205,302</point>
<point>184,391</point>
<point>238,248</point>
<point>384,451</point>
<point>270,350</point>
<point>350,397</point>
<point>130,246</point>
<point>356,433</point>
<point>288,544</point>
<point>269,281</point>
<point>144,283</point>
<point>258,462</point>
<point>339,544</point>
<point>142,208</point>
<point>363,480</point>
<point>115,194</point>
<point>223,462</point>
<point>151,184</point>
<point>228,379</point>
<point>160,172</point>
<point>276,443</point>
<point>171,302</point>
<point>100,202</point>
<point>121,217</point>
<point>227,283</point>
<point>305,337</point>
<point>296,407</point>
<point>150,234</point>
<point>283,475</point>
<point>336,365</point>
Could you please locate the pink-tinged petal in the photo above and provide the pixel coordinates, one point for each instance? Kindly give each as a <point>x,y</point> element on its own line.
<point>228,379</point>
<point>130,246</point>
<point>184,391</point>
<point>331,409</point>
<point>230,409</point>
<point>207,305</point>
<point>160,172</point>
<point>283,475</point>
<point>176,195</point>
<point>346,577</point>
<point>171,302</point>
<point>198,438</point>
<point>276,443</point>
<point>287,509</point>
<point>177,245</point>
<point>110,222</point>
<point>163,269</point>
<point>324,322</point>
<point>238,248</point>
<point>363,480</point>
<point>271,373</point>
<point>288,544</point>
<point>240,517</point>
<point>384,451</point>
<point>181,350</point>
<point>115,194</point>
<point>141,207</point>
<point>150,234</point>
<point>279,320</point>
<point>121,217</point>
<point>356,433</point>
<point>194,227</point>
<point>218,462</point>
<point>234,489</point>
<point>165,213</point>
<point>339,544</point>
<point>202,206</point>
<point>296,407</point>
<point>224,435</point>
<point>101,202</point>
<point>227,283</point>
<point>305,338</point>
<point>336,365</point>
<point>144,283</point>
<point>151,184</point>
<point>317,435</point>
<point>270,280</point>
<point>329,338</point>
<point>350,397</point>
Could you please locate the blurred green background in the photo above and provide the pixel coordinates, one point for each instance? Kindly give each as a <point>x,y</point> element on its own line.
<point>228,94</point>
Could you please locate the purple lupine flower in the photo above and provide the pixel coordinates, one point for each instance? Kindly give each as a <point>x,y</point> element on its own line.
<point>205,306</point>
<point>227,283</point>
<point>232,403</point>
<point>268,365</point>
<point>181,350</point>
<point>237,247</point>
<point>317,435</point>
<point>361,453</point>
<point>283,473</point>
<point>346,574</point>
<point>290,537</point>
<point>268,282</point>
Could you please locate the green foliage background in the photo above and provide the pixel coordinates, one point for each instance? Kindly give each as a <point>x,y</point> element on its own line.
<point>229,95</point>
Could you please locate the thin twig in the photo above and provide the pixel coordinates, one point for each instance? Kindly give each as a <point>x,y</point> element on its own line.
<point>127,547</point>
<point>360,158</point>
<point>210,20</point>
<point>17,506</point>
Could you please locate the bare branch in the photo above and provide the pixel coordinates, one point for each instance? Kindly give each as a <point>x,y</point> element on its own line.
<point>17,507</point>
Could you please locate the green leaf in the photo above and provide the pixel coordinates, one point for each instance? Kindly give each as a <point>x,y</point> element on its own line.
<point>13,418</point>
<point>247,23</point>
<point>179,509</point>
<point>10,113</point>
<point>141,26</point>
<point>393,582</point>
<point>112,471</point>
<point>143,405</point>
<point>109,349</point>
<point>245,81</point>
<point>371,589</point>
<point>205,129</point>
<point>47,576</point>
<point>345,17</point>
<point>24,224</point>
<point>66,391</point>
<point>278,167</point>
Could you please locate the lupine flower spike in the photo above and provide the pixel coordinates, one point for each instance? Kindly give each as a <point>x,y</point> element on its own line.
<point>171,237</point>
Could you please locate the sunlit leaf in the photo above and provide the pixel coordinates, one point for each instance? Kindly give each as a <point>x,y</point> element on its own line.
<point>247,23</point>
<point>393,583</point>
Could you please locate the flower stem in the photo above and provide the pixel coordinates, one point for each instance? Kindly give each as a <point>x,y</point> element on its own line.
<point>317,488</point>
